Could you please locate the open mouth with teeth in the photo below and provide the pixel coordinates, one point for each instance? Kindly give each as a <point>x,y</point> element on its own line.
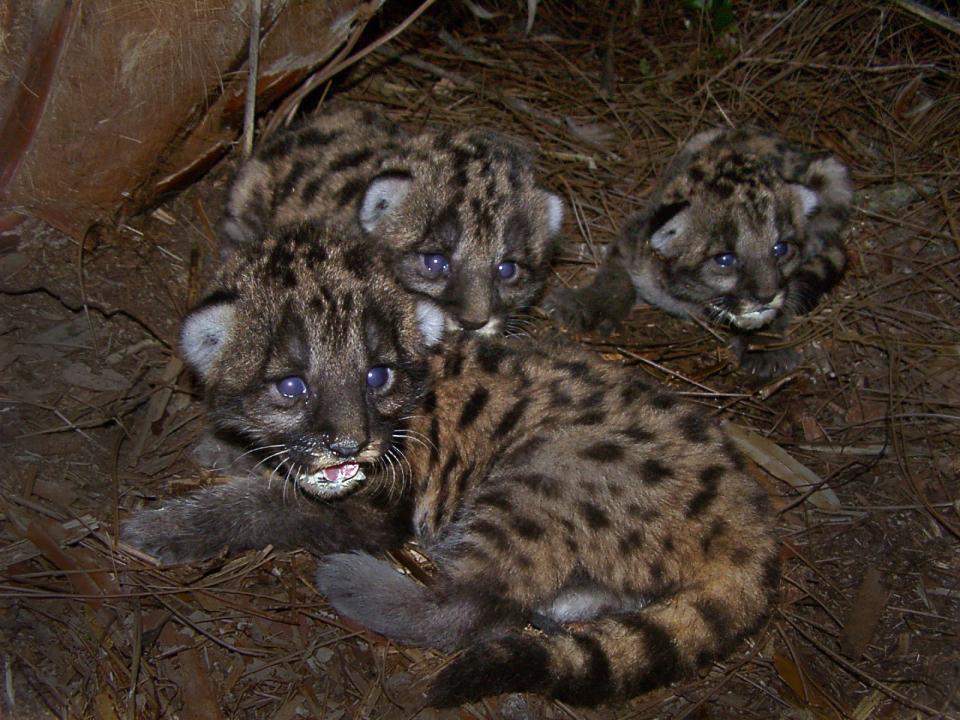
<point>333,480</point>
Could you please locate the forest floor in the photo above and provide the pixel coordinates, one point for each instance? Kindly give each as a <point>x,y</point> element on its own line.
<point>99,417</point>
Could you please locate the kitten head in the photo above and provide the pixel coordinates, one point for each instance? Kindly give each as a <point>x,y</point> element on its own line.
<point>739,219</point>
<point>310,353</point>
<point>469,228</point>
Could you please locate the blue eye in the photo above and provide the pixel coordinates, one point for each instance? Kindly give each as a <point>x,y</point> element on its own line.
<point>292,386</point>
<point>378,376</point>
<point>726,260</point>
<point>781,248</point>
<point>436,263</point>
<point>507,270</point>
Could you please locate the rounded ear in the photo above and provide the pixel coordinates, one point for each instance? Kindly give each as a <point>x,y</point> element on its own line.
<point>828,178</point>
<point>204,334</point>
<point>384,194</point>
<point>668,225</point>
<point>554,213</point>
<point>699,141</point>
<point>431,321</point>
<point>809,200</point>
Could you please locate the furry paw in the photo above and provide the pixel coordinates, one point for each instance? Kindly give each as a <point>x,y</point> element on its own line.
<point>170,534</point>
<point>372,593</point>
<point>769,364</point>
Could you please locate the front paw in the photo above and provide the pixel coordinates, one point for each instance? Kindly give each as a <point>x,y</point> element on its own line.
<point>769,364</point>
<point>171,534</point>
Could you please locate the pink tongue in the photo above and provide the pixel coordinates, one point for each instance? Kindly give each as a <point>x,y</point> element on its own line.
<point>336,473</point>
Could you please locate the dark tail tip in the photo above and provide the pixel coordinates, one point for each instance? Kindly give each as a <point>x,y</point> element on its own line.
<point>512,664</point>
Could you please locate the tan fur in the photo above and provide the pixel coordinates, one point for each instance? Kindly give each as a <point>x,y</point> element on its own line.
<point>549,487</point>
<point>773,210</point>
<point>470,196</point>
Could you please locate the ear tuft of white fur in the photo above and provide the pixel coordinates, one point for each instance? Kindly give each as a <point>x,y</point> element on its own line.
<point>554,213</point>
<point>699,141</point>
<point>809,200</point>
<point>383,196</point>
<point>431,320</point>
<point>832,179</point>
<point>665,239</point>
<point>204,334</point>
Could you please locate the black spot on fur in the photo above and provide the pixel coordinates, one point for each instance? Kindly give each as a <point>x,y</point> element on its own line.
<point>592,400</point>
<point>740,556</point>
<point>454,365</point>
<point>316,253</point>
<point>578,368</point>
<point>312,137</point>
<point>520,455</point>
<point>602,452</point>
<point>653,471</point>
<point>559,397</point>
<point>509,664</point>
<point>631,542</point>
<point>662,401</point>
<point>434,440</point>
<point>720,622</point>
<point>350,191</point>
<point>527,529</point>
<point>429,402</point>
<point>492,532</point>
<point>350,160</point>
<point>489,357</point>
<point>638,434</point>
<point>540,484</point>
<point>709,481</point>
<point>279,147</point>
<point>497,498</point>
<point>663,663</point>
<point>734,455</point>
<point>594,417</point>
<point>596,518</point>
<point>509,421</point>
<point>463,480</point>
<point>358,261</point>
<point>594,682</point>
<point>311,190</point>
<point>771,573</point>
<point>473,407</point>
<point>717,528</point>
<point>631,393</point>
<point>694,428</point>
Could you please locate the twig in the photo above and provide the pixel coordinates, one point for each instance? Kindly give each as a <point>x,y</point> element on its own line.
<point>929,14</point>
<point>253,70</point>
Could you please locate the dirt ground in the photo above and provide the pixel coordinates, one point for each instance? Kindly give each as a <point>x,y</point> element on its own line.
<point>98,418</point>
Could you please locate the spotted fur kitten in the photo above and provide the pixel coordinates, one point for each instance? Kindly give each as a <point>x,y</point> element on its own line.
<point>460,212</point>
<point>743,230</point>
<point>546,485</point>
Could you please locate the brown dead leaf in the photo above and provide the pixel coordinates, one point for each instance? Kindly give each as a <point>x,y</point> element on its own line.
<point>804,693</point>
<point>811,428</point>
<point>199,694</point>
<point>864,411</point>
<point>39,533</point>
<point>779,463</point>
<point>864,616</point>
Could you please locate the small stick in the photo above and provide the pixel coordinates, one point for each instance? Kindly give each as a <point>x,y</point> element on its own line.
<point>253,69</point>
<point>930,15</point>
